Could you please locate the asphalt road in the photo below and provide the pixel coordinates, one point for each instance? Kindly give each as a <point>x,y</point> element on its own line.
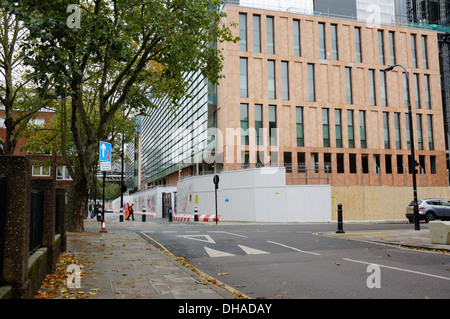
<point>295,261</point>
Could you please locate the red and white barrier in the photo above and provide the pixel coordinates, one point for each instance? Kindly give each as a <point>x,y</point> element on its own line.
<point>190,217</point>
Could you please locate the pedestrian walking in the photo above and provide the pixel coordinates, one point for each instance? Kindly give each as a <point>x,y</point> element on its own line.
<point>92,209</point>
<point>96,209</point>
<point>127,207</point>
<point>131,211</point>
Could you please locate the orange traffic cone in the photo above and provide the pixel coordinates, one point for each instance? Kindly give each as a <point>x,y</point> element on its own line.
<point>103,227</point>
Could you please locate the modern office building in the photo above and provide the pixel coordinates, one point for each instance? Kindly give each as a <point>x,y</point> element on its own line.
<point>308,91</point>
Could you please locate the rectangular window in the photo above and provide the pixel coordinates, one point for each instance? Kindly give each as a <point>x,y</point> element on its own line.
<point>242,32</point>
<point>334,42</point>
<point>365,163</point>
<point>338,127</point>
<point>392,47</point>
<point>399,164</point>
<point>327,164</point>
<point>352,162</point>
<point>340,163</point>
<point>376,163</point>
<point>387,142</point>
<point>381,47</point>
<point>362,128</point>
<point>424,52</point>
<point>258,124</point>
<point>271,79</point>
<point>257,34</point>
<point>243,77</point>
<point>383,88</point>
<point>351,129</point>
<point>348,85</point>
<point>358,49</point>
<point>273,125</point>
<point>326,128</point>
<point>408,133</point>
<point>62,173</point>
<point>245,159</point>
<point>299,124</point>
<point>322,49</point>
<point>311,83</point>
<point>373,99</point>
<point>423,168</point>
<point>388,163</point>
<point>419,132</point>
<point>244,124</point>
<point>433,164</point>
<point>430,132</point>
<point>416,90</point>
<point>41,170</point>
<point>285,80</point>
<point>287,160</point>
<point>405,90</point>
<point>301,162</point>
<point>315,162</point>
<point>414,50</point>
<point>398,136</point>
<point>297,40</point>
<point>270,36</point>
<point>427,91</point>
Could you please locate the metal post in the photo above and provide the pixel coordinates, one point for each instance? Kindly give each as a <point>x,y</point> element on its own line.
<point>144,216</point>
<point>103,229</point>
<point>413,157</point>
<point>121,181</point>
<point>195,214</point>
<point>340,224</point>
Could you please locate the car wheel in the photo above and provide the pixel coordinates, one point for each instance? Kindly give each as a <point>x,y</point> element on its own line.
<point>430,217</point>
<point>411,220</point>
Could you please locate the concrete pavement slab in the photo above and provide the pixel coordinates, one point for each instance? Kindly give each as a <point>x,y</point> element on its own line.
<point>121,264</point>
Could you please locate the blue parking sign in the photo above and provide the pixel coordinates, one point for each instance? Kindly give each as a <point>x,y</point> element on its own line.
<point>105,152</point>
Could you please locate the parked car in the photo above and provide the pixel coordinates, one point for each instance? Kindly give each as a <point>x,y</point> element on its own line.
<point>429,209</point>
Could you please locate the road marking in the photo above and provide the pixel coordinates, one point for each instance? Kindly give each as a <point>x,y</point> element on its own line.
<point>204,238</point>
<point>293,248</point>
<point>252,251</point>
<point>217,253</point>
<point>395,268</point>
<point>225,232</point>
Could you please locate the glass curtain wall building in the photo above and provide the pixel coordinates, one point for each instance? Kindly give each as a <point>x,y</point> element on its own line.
<point>174,139</point>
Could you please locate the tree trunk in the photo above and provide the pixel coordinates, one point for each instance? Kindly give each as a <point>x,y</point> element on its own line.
<point>75,208</point>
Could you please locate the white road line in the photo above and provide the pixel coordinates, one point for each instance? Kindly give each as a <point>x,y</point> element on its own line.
<point>395,268</point>
<point>293,248</point>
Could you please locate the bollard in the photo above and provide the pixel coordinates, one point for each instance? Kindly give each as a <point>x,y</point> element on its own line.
<point>144,217</point>
<point>340,225</point>
<point>121,215</point>
<point>195,214</point>
<point>170,214</point>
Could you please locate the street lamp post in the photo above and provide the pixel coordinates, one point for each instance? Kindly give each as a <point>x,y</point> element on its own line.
<point>411,135</point>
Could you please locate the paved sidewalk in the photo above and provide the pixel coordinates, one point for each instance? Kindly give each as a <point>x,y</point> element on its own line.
<point>419,239</point>
<point>121,264</point>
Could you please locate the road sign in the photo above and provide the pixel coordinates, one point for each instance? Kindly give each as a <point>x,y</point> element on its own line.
<point>105,166</point>
<point>105,152</point>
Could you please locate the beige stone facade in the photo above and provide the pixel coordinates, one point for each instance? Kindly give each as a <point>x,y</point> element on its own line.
<point>376,163</point>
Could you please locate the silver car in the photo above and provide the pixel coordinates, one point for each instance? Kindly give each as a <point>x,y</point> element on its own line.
<point>429,209</point>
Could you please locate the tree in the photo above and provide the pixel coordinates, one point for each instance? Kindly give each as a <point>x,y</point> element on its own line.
<point>17,93</point>
<point>113,55</point>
